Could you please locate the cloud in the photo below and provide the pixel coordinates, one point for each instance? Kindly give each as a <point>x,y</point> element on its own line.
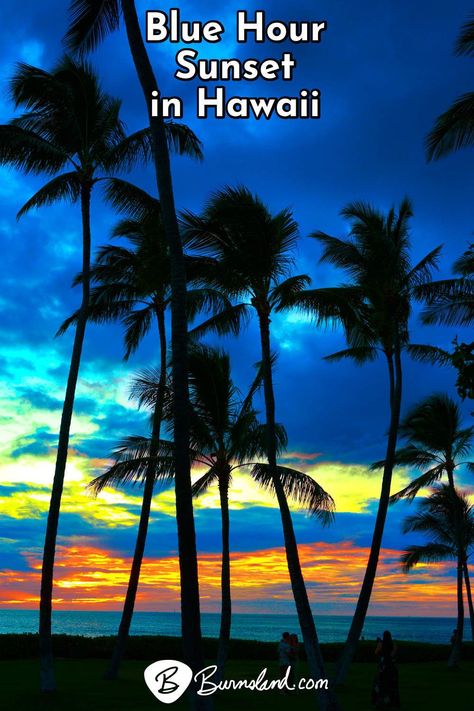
<point>87,576</point>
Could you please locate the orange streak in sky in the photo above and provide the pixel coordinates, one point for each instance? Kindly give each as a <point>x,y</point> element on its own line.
<point>88,577</point>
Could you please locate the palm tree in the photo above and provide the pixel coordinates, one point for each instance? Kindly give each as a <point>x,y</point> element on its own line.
<point>226,436</point>
<point>448,517</point>
<point>376,257</point>
<point>436,444</point>
<point>69,123</point>
<point>226,432</point>
<point>132,284</point>
<point>91,21</point>
<point>454,129</point>
<point>252,252</point>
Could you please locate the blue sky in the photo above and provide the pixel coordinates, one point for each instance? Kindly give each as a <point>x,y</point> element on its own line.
<point>385,71</point>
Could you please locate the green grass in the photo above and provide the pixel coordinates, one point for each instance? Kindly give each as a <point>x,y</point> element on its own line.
<point>424,687</point>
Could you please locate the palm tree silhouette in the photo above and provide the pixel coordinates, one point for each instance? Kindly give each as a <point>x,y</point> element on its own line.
<point>384,283</point>
<point>228,435</point>
<point>252,251</point>
<point>132,285</point>
<point>91,21</point>
<point>225,436</point>
<point>436,444</point>
<point>453,130</point>
<point>69,123</point>
<point>448,517</point>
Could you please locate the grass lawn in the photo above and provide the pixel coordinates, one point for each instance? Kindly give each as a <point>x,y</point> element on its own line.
<point>429,687</point>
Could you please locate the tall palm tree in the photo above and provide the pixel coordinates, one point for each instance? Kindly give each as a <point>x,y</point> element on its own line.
<point>226,436</point>
<point>437,444</point>
<point>383,284</point>
<point>132,285</point>
<point>253,255</point>
<point>448,517</point>
<point>226,431</point>
<point>454,129</point>
<point>69,124</point>
<point>91,21</point>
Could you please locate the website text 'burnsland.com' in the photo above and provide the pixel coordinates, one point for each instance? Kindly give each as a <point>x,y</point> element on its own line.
<point>206,687</point>
<point>168,680</point>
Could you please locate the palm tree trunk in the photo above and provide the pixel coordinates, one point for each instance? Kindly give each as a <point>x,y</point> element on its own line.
<point>327,699</point>
<point>47,677</point>
<point>357,625</point>
<point>226,601</point>
<point>456,648</point>
<point>469,597</point>
<point>190,610</point>
<point>455,655</point>
<point>130,597</point>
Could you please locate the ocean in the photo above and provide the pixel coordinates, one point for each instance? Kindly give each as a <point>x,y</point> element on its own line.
<point>262,627</point>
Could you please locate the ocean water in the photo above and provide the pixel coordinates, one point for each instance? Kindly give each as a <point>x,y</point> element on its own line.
<point>265,628</point>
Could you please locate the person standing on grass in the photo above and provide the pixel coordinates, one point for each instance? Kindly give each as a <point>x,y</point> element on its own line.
<point>284,654</point>
<point>385,693</point>
<point>294,657</point>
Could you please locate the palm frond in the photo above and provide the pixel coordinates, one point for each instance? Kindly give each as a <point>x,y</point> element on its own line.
<point>91,22</point>
<point>453,130</point>
<point>465,264</point>
<point>29,152</point>
<point>183,141</point>
<point>63,187</point>
<point>429,553</point>
<point>465,41</point>
<point>205,482</point>
<point>137,324</point>
<point>360,355</point>
<point>300,488</point>
<point>283,294</point>
<point>428,354</point>
<point>229,320</point>
<point>421,272</point>
<point>208,300</point>
<point>144,387</point>
<point>421,482</point>
<point>125,197</point>
<point>451,311</point>
<point>133,462</point>
<point>339,252</point>
<point>130,151</point>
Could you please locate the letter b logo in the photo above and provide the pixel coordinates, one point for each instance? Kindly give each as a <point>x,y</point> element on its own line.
<point>168,679</point>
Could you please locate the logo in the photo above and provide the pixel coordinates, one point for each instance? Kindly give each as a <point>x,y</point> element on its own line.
<point>168,679</point>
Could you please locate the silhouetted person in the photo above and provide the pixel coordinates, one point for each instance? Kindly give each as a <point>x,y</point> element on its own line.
<point>385,693</point>
<point>294,656</point>
<point>284,654</point>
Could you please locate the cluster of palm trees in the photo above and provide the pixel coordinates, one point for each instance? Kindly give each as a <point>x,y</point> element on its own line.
<point>213,271</point>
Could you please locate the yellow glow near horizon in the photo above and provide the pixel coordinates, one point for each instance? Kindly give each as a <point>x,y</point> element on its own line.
<point>353,487</point>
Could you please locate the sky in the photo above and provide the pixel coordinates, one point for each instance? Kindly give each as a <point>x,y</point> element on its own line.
<point>385,71</point>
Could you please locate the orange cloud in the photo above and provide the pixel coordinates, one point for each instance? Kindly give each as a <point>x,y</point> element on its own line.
<point>88,577</point>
